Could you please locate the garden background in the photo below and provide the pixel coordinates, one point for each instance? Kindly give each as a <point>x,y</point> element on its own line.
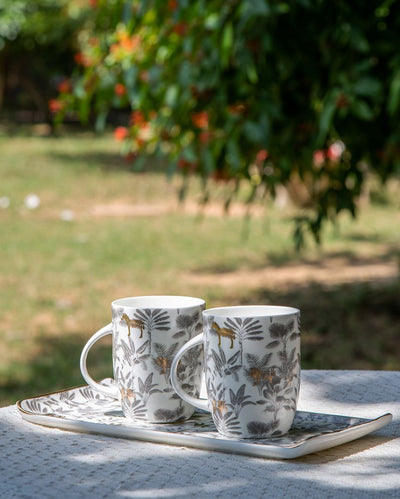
<point>241,151</point>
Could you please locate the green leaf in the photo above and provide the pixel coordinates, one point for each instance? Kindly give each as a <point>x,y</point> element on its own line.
<point>211,22</point>
<point>208,160</point>
<point>233,154</point>
<point>84,110</point>
<point>130,76</point>
<point>100,123</point>
<point>326,119</point>
<point>256,8</point>
<point>394,94</point>
<point>189,154</point>
<point>362,110</point>
<point>171,95</point>
<point>254,132</point>
<point>358,41</point>
<point>252,74</point>
<point>227,43</point>
<point>79,90</point>
<point>368,87</point>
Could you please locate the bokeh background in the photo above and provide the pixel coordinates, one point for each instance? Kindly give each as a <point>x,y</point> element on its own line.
<point>243,151</point>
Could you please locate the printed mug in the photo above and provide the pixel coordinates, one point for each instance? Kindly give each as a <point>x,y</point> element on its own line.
<point>147,332</point>
<point>252,369</point>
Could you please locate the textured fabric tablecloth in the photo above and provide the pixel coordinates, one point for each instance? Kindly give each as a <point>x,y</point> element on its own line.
<point>50,463</point>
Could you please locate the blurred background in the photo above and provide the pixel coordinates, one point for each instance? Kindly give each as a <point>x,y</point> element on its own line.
<point>246,152</point>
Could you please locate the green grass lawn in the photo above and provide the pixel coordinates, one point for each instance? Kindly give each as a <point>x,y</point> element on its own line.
<point>62,263</point>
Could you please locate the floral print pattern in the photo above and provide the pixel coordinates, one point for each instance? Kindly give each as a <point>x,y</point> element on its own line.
<point>252,371</point>
<point>145,342</point>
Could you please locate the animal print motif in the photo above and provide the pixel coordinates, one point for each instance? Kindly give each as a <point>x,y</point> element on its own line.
<point>252,372</point>
<point>144,344</point>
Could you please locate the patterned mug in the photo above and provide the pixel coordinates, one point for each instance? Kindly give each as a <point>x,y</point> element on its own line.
<point>252,369</point>
<point>147,332</point>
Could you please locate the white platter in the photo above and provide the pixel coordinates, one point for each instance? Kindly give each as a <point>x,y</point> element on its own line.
<point>87,411</point>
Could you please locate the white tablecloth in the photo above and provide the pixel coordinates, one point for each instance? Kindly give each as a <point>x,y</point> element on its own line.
<point>43,462</point>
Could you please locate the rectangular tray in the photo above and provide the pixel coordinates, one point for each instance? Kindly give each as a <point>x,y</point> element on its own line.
<point>84,410</point>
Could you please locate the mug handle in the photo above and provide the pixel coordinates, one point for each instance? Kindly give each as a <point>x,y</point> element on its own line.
<point>111,391</point>
<point>199,403</point>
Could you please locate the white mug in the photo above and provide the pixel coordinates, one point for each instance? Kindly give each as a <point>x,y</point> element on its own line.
<point>252,369</point>
<point>147,332</point>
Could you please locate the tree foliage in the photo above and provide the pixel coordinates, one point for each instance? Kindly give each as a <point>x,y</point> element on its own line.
<point>266,91</point>
<point>37,43</point>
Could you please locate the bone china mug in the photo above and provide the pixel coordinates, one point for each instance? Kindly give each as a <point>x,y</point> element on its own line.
<point>147,332</point>
<point>252,369</point>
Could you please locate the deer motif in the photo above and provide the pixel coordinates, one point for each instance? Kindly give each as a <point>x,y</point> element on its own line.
<point>223,331</point>
<point>133,323</point>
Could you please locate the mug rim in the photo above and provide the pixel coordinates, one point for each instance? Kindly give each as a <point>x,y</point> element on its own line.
<point>241,311</point>
<point>167,302</point>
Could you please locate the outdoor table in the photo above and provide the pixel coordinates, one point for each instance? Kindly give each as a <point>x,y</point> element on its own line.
<point>37,461</point>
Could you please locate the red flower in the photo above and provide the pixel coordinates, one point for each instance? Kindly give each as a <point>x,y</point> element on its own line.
<point>261,156</point>
<point>334,151</point>
<point>205,137</point>
<point>137,118</point>
<point>200,119</point>
<point>121,133</point>
<point>56,105</point>
<point>120,89</point>
<point>173,5</point>
<point>64,87</point>
<point>181,28</point>
<point>82,59</point>
<point>319,157</point>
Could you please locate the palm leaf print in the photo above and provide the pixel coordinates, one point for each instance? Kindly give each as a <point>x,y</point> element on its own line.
<point>226,422</point>
<point>155,320</point>
<point>224,419</point>
<point>239,400</point>
<point>131,405</point>
<point>146,388</point>
<point>133,355</point>
<point>226,367</point>
<point>245,329</point>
